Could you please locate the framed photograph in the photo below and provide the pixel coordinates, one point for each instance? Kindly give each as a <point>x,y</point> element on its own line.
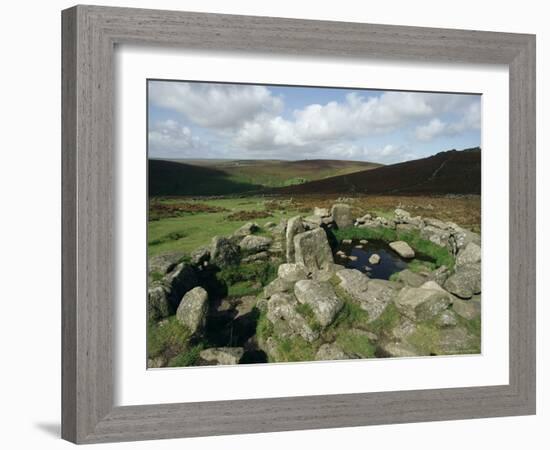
<point>276,224</point>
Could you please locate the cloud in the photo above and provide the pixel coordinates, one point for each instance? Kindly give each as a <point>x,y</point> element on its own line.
<point>170,139</point>
<point>471,120</point>
<point>214,105</point>
<point>356,116</point>
<point>247,121</point>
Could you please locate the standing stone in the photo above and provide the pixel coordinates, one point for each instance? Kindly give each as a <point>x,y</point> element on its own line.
<point>341,213</point>
<point>402,249</point>
<point>313,250</point>
<point>321,298</point>
<point>158,303</point>
<point>192,309</point>
<point>294,226</point>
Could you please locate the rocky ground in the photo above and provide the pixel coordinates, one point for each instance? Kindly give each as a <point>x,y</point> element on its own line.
<point>307,307</point>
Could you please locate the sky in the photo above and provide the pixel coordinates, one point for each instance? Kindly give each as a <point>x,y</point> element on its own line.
<point>190,120</point>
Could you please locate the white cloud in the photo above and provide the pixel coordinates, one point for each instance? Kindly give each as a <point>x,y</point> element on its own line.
<point>214,105</point>
<point>357,116</point>
<point>248,121</point>
<point>471,120</point>
<point>169,139</point>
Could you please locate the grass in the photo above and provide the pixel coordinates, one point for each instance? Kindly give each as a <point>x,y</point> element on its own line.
<point>187,358</point>
<point>417,265</point>
<point>197,229</point>
<point>440,255</point>
<point>354,343</point>
<point>168,338</point>
<point>264,327</point>
<point>307,313</point>
<point>295,349</point>
<point>386,321</point>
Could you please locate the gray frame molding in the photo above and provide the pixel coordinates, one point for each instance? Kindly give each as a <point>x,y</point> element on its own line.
<point>89,36</point>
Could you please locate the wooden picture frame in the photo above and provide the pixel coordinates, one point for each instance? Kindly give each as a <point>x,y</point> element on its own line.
<point>90,34</point>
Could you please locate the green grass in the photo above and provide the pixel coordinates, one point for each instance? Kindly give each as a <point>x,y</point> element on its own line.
<point>295,349</point>
<point>440,255</point>
<point>260,272</point>
<point>187,358</point>
<point>264,327</point>
<point>387,320</point>
<point>307,313</point>
<point>198,229</point>
<point>354,343</point>
<point>169,337</point>
<point>417,265</point>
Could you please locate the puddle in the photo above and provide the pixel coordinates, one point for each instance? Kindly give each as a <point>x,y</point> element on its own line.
<point>390,261</point>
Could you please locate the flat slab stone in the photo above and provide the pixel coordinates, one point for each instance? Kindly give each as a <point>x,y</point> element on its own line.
<point>421,304</point>
<point>402,249</point>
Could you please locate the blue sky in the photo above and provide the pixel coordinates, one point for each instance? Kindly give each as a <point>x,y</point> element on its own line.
<point>232,121</point>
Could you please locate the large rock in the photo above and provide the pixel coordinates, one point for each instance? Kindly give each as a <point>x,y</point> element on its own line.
<point>321,298</point>
<point>292,272</point>
<point>163,264</point>
<point>311,222</point>
<point>436,223</point>
<point>293,227</point>
<point>193,309</point>
<point>421,304</point>
<point>436,235</point>
<point>470,254</point>
<point>313,250</point>
<point>255,244</point>
<point>223,356</point>
<point>330,352</point>
<point>282,313</point>
<point>468,309</point>
<point>180,280</point>
<point>224,252</point>
<point>410,278</point>
<point>200,255</point>
<point>462,237</point>
<point>158,302</point>
<point>321,212</point>
<point>278,285</point>
<point>466,281</point>
<point>341,214</point>
<point>372,295</point>
<point>247,229</point>
<point>402,249</point>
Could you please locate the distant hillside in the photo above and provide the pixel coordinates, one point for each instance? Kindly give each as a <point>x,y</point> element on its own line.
<point>176,178</point>
<point>457,172</point>
<point>278,173</point>
<point>223,177</point>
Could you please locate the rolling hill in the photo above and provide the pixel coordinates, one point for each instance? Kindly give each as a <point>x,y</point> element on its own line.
<point>223,177</point>
<point>449,172</point>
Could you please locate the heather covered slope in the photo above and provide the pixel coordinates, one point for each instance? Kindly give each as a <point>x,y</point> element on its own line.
<point>450,172</point>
